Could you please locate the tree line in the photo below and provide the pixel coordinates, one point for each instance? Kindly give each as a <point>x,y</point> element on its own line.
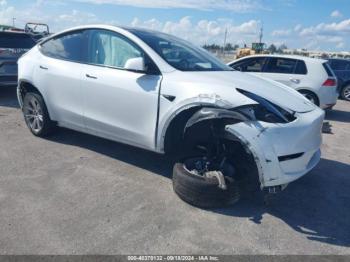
<point>231,47</point>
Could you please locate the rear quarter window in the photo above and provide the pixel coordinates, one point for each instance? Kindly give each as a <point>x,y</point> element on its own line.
<point>300,68</point>
<point>328,69</point>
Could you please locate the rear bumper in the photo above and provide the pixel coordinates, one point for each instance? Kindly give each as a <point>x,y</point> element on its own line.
<point>328,96</point>
<point>283,152</point>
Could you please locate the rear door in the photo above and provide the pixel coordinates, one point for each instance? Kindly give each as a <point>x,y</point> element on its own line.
<point>59,74</point>
<point>290,72</point>
<point>12,46</point>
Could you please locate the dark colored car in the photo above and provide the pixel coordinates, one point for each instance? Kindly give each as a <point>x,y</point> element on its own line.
<point>12,45</point>
<point>341,68</point>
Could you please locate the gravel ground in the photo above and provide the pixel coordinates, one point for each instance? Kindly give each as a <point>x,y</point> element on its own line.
<point>78,194</point>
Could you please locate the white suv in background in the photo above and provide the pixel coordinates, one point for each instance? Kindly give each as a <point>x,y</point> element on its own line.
<point>311,77</point>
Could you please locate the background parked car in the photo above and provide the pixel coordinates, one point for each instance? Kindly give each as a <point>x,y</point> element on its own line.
<point>341,68</point>
<point>311,77</point>
<point>13,44</point>
<point>37,30</point>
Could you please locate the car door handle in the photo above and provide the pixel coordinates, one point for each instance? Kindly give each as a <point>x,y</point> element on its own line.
<point>43,67</point>
<point>90,76</point>
<point>294,80</point>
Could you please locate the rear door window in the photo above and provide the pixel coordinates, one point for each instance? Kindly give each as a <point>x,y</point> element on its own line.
<point>67,47</point>
<point>16,40</point>
<point>254,64</point>
<point>328,69</point>
<point>281,65</point>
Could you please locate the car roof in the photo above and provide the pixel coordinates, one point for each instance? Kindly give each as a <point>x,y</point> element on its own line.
<point>13,32</point>
<point>304,58</point>
<point>339,59</point>
<point>121,29</point>
<point>126,31</point>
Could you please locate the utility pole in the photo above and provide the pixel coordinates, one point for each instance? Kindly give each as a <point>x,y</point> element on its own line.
<point>261,33</point>
<point>223,49</point>
<point>13,21</point>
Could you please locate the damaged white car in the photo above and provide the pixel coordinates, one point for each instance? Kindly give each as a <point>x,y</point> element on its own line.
<point>163,94</point>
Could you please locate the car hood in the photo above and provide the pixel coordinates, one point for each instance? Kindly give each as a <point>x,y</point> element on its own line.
<point>273,91</point>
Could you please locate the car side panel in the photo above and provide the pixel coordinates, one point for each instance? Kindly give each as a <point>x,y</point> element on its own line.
<point>59,82</point>
<point>121,105</point>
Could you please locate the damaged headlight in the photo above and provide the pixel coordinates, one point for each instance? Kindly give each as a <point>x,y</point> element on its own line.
<point>265,110</point>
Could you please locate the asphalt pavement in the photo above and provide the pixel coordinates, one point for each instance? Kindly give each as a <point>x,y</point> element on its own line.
<point>77,194</point>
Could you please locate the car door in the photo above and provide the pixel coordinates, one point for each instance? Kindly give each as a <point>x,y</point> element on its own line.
<point>59,74</point>
<point>290,72</point>
<point>119,104</point>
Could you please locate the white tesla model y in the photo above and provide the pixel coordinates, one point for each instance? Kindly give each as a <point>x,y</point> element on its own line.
<point>158,92</point>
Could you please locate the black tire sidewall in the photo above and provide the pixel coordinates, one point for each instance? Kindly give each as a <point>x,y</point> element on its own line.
<point>314,96</point>
<point>202,192</point>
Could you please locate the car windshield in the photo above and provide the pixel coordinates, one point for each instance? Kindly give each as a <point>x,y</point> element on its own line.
<point>15,40</point>
<point>179,53</point>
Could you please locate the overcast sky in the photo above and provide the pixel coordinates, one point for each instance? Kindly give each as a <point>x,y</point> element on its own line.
<point>311,24</point>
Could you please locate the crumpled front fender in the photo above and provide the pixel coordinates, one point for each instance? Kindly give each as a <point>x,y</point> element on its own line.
<point>211,113</point>
<point>282,152</point>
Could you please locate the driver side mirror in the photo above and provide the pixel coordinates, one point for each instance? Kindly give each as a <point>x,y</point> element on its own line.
<point>136,64</point>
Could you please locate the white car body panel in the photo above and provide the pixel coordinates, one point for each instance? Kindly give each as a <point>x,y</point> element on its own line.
<point>312,81</point>
<point>63,89</point>
<point>130,107</point>
<point>193,89</point>
<point>269,141</point>
<point>117,96</point>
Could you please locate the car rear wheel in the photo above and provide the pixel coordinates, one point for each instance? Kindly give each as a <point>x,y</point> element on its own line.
<point>310,96</point>
<point>345,92</point>
<point>36,115</point>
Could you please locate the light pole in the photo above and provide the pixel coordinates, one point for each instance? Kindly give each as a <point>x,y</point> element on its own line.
<point>225,37</point>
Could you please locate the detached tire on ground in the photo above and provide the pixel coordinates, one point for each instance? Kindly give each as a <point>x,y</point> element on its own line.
<point>202,191</point>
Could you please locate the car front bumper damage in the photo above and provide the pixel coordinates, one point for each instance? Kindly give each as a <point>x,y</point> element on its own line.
<point>282,152</point>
